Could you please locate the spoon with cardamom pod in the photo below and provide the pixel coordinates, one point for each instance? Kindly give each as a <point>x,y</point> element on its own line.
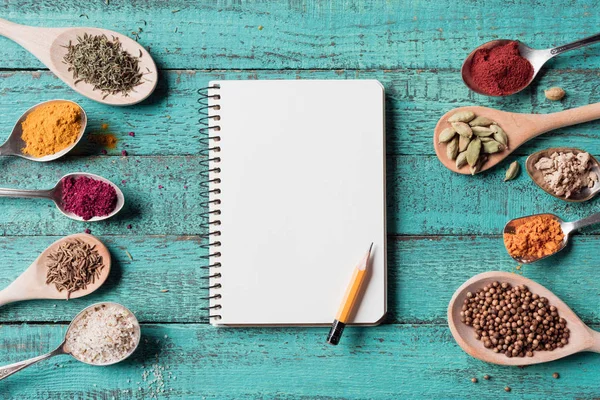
<point>79,196</point>
<point>15,145</point>
<point>41,282</point>
<point>537,58</point>
<point>579,337</point>
<point>586,193</point>
<point>104,349</point>
<point>553,223</point>
<point>93,53</point>
<point>516,130</point>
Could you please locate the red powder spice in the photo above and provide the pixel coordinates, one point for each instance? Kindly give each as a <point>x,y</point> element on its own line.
<point>501,70</point>
<point>87,197</point>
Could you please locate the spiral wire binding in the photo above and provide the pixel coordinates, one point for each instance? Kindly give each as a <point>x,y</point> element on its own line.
<point>209,138</point>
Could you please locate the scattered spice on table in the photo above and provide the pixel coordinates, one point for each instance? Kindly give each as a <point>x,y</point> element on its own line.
<point>107,140</point>
<point>554,93</point>
<point>537,236</point>
<point>486,377</point>
<point>87,230</point>
<point>103,334</point>
<point>512,171</point>
<point>51,128</point>
<point>474,380</point>
<point>104,152</point>
<point>566,174</point>
<point>129,226</point>
<point>124,153</point>
<point>132,134</point>
<point>87,197</point>
<point>103,63</point>
<point>501,70</point>
<point>73,265</point>
<point>507,389</point>
<point>513,321</point>
<point>555,375</point>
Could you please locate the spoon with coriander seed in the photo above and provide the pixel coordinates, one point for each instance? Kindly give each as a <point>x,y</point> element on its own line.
<point>535,237</point>
<point>103,65</point>
<point>102,334</point>
<point>70,268</point>
<point>79,196</point>
<point>23,141</point>
<point>479,125</point>
<point>569,335</point>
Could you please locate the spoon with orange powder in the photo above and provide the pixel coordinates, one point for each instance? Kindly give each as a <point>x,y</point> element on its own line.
<point>18,144</point>
<point>535,237</point>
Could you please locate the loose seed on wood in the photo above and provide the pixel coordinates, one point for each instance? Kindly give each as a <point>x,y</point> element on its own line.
<point>554,93</point>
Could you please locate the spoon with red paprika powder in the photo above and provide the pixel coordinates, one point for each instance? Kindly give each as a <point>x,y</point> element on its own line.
<point>79,196</point>
<point>503,67</point>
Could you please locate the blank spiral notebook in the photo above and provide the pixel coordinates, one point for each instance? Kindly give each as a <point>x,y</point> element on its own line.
<point>297,195</point>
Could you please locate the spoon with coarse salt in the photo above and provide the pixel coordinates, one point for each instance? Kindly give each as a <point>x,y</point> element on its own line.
<point>49,45</point>
<point>14,145</point>
<point>567,229</point>
<point>31,284</point>
<point>56,194</point>
<point>581,338</point>
<point>68,348</point>
<point>520,128</point>
<point>537,58</point>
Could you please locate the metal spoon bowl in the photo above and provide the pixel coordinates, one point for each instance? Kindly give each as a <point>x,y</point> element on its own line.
<point>63,349</point>
<point>537,176</point>
<point>536,57</point>
<point>14,144</point>
<point>55,194</point>
<point>567,228</point>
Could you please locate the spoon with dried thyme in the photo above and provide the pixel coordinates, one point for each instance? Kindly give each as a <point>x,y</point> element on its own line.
<point>69,268</point>
<point>100,64</point>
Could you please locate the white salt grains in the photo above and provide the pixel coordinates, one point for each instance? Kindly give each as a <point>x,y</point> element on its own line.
<point>104,334</point>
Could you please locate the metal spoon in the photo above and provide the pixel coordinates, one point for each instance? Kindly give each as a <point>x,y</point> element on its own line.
<point>537,58</point>
<point>14,145</point>
<point>64,346</point>
<point>55,194</point>
<point>538,177</point>
<point>581,338</point>
<point>567,229</point>
<point>31,284</point>
<point>49,45</point>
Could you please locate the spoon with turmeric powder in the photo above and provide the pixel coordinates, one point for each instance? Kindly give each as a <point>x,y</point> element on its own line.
<point>535,237</point>
<point>46,131</point>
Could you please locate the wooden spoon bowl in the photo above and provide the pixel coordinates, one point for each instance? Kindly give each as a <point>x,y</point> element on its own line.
<point>581,337</point>
<point>520,128</point>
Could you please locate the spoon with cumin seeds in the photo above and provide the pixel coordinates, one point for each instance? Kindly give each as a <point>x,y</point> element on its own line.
<point>69,268</point>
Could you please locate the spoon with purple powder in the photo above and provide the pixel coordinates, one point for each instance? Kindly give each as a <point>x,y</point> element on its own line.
<point>79,196</point>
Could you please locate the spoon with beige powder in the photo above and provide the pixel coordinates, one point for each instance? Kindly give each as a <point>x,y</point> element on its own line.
<point>102,334</point>
<point>566,173</point>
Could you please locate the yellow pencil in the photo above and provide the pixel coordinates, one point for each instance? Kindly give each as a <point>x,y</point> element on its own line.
<point>337,328</point>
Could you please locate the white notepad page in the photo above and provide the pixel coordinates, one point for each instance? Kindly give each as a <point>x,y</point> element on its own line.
<point>302,180</point>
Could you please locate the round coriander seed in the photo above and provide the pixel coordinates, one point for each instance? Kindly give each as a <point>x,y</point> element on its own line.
<point>507,389</point>
<point>474,380</point>
<point>555,375</point>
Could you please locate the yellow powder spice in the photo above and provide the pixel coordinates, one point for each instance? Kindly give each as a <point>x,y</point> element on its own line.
<point>51,128</point>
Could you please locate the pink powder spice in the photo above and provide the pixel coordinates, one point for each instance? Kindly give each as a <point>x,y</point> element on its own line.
<point>87,197</point>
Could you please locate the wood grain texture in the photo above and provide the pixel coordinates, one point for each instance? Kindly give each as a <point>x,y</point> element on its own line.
<point>303,34</point>
<point>199,361</point>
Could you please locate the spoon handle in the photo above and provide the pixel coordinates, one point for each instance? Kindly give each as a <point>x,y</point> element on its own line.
<point>8,370</point>
<point>31,194</point>
<point>575,45</point>
<point>596,345</point>
<point>582,223</point>
<point>574,116</point>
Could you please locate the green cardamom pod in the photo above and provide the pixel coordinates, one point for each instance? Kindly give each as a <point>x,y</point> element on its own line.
<point>477,167</point>
<point>512,171</point>
<point>499,135</point>
<point>446,135</point>
<point>482,131</point>
<point>452,149</point>
<point>461,160</point>
<point>463,142</point>
<point>481,121</point>
<point>462,116</point>
<point>463,129</point>
<point>486,139</point>
<point>473,151</point>
<point>492,147</point>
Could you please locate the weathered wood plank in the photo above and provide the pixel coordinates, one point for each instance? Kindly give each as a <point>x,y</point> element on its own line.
<point>326,35</point>
<point>167,123</point>
<point>198,361</point>
<point>423,273</point>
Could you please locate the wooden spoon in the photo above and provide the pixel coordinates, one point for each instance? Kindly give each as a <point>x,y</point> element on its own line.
<point>520,128</point>
<point>31,284</point>
<point>48,45</point>
<point>581,337</point>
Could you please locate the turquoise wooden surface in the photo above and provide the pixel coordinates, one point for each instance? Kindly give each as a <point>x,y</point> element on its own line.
<point>442,228</point>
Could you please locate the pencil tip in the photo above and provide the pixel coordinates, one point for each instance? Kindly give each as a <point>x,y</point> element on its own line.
<point>371,247</point>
